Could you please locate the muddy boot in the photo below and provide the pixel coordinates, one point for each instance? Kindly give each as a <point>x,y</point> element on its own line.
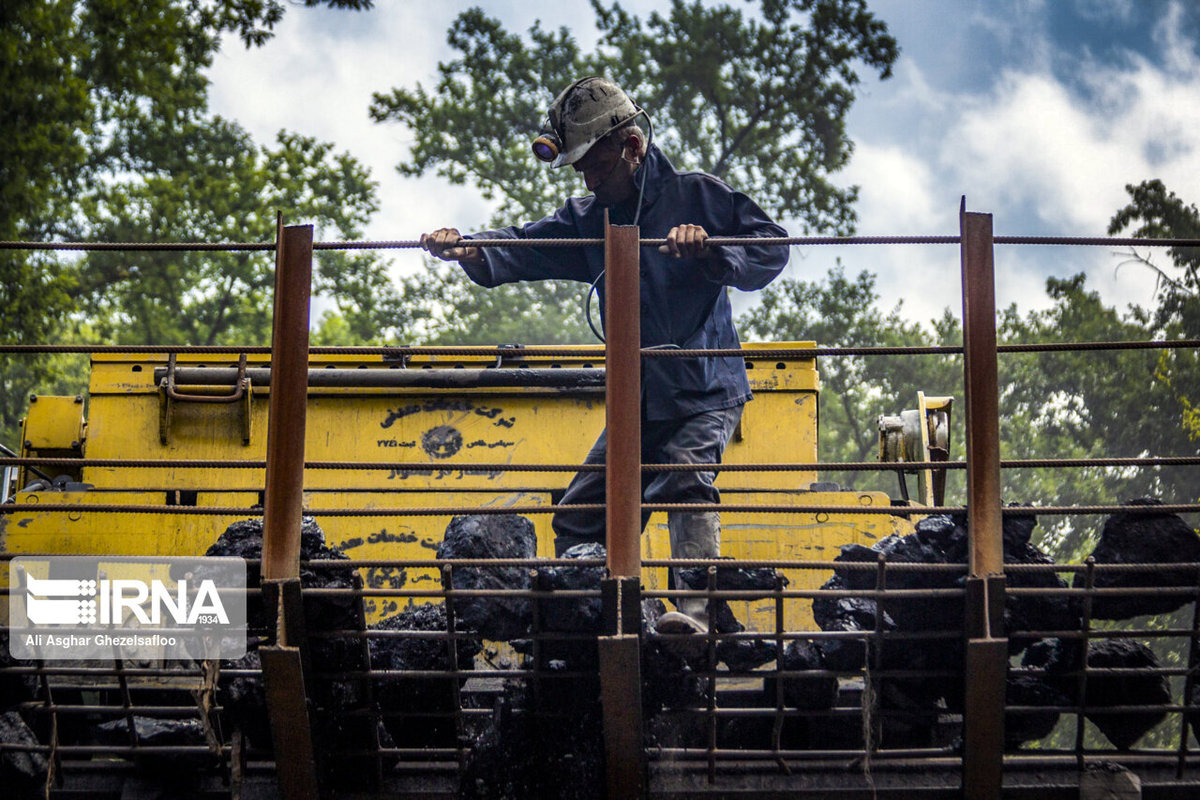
<point>693,535</point>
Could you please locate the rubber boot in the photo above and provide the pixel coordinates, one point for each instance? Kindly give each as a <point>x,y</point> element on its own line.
<point>693,535</point>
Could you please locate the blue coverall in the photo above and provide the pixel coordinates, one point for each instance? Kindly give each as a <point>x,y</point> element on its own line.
<point>689,405</point>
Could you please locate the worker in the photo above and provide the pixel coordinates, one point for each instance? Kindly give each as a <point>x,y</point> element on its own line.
<point>690,406</point>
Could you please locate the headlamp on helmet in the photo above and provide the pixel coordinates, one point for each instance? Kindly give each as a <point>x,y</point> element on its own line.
<point>547,146</point>
<point>582,114</point>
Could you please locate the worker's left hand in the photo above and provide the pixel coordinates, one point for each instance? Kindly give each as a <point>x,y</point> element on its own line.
<point>687,241</point>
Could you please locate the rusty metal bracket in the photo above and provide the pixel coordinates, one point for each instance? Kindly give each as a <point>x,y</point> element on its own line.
<point>985,674</point>
<point>284,666</point>
<point>621,688</point>
<point>170,394</point>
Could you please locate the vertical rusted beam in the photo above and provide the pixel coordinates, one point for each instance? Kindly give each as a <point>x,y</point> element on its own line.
<point>284,501</point>
<point>619,649</point>
<point>623,393</point>
<point>986,651</point>
<point>283,662</point>
<point>982,394</point>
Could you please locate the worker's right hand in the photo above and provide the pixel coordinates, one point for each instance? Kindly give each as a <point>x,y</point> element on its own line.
<point>442,243</point>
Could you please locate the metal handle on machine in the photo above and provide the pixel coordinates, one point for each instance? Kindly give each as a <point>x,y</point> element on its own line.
<point>564,379</point>
<point>171,395</point>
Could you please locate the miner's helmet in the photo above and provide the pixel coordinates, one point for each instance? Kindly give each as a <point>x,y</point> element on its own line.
<point>582,114</point>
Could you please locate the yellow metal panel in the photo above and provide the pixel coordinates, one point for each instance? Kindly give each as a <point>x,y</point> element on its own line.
<point>54,423</point>
<point>779,536</point>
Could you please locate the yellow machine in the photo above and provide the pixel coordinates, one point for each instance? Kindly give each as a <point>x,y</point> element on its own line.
<point>430,416</point>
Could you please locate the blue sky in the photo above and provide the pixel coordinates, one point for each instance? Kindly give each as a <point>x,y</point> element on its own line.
<point>1037,111</point>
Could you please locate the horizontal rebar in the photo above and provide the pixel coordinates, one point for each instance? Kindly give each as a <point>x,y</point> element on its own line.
<point>896,511</point>
<point>712,241</point>
<point>593,351</point>
<point>455,466</point>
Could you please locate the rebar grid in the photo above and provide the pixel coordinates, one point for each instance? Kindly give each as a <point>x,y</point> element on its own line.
<point>715,714</point>
<point>711,712</point>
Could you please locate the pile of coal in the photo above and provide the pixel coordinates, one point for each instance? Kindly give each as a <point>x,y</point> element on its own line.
<point>529,752</point>
<point>1058,661</point>
<point>491,536</point>
<point>419,711</point>
<point>739,655</point>
<point>911,706</point>
<point>244,539</point>
<point>22,772</point>
<point>334,698</point>
<point>186,732</point>
<point>1143,538</point>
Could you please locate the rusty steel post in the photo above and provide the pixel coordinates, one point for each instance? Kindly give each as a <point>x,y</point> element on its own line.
<point>982,395</point>
<point>619,649</point>
<point>986,652</point>
<point>623,399</point>
<point>283,662</point>
<point>284,503</point>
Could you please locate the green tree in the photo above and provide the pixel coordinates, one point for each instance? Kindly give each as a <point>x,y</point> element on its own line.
<point>225,298</point>
<point>104,130</point>
<point>1052,404</point>
<point>1085,404</point>
<point>757,100</point>
<point>856,390</point>
<point>1155,212</point>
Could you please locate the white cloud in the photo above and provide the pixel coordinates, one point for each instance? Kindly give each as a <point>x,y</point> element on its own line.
<point>1043,157</point>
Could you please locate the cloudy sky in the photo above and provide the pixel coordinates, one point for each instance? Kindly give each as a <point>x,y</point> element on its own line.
<point>1037,111</point>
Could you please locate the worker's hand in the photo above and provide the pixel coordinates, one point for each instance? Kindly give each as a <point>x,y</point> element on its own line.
<point>441,243</point>
<point>687,241</point>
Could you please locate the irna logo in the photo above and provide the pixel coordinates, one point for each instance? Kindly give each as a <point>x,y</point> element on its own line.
<point>148,609</point>
<point>50,601</point>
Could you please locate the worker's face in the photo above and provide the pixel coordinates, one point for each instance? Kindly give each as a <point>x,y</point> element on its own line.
<point>607,175</point>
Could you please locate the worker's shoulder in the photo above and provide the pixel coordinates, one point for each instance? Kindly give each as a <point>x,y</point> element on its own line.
<point>695,180</point>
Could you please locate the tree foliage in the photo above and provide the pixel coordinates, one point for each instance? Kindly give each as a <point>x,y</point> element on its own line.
<point>1157,213</point>
<point>105,134</point>
<point>757,99</point>
<point>855,390</point>
<point>1053,405</point>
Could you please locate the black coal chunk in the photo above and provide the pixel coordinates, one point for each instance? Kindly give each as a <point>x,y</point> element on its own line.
<point>1058,662</point>
<point>1029,726</point>
<point>428,698</point>
<point>800,690</point>
<point>846,614</point>
<point>1124,728</point>
<point>573,614</point>
<point>733,578</point>
<point>181,733</point>
<point>491,536</point>
<point>743,655</point>
<point>1143,538</point>
<point>244,539</point>
<point>1028,618</point>
<point>22,772</point>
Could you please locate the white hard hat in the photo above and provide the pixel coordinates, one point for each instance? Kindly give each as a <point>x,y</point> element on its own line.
<point>582,114</point>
